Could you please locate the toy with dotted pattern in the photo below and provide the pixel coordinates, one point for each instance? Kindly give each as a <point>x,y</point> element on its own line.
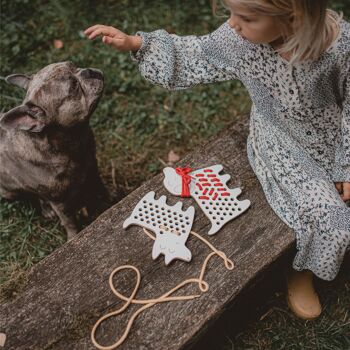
<point>170,224</point>
<point>208,188</point>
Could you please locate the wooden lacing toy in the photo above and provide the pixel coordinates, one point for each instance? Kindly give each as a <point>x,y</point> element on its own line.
<point>209,189</point>
<point>172,227</point>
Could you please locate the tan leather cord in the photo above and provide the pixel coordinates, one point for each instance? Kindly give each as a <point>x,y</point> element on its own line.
<point>203,286</point>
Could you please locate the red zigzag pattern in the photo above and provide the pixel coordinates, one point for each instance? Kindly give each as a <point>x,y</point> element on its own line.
<point>208,181</point>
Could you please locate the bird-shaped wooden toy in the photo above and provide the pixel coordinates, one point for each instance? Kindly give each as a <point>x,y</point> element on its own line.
<point>209,189</point>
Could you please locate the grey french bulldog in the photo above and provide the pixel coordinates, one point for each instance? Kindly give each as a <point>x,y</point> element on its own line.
<point>47,148</point>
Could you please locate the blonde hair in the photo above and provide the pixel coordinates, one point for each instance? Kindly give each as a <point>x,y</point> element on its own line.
<point>306,25</point>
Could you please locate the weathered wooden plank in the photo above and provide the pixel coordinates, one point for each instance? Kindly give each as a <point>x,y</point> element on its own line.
<point>68,291</point>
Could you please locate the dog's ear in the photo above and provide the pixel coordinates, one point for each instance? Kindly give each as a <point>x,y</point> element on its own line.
<point>21,118</point>
<point>20,80</point>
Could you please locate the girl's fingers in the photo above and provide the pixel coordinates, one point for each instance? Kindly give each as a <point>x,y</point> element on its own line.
<point>92,28</point>
<point>106,40</point>
<point>346,191</point>
<point>88,30</point>
<point>117,43</point>
<point>96,32</point>
<point>100,31</point>
<point>339,186</point>
<point>93,31</point>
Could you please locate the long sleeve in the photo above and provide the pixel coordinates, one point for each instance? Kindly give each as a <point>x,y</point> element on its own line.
<point>342,156</point>
<point>176,62</point>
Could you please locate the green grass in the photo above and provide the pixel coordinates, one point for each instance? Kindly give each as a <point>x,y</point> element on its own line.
<point>136,125</point>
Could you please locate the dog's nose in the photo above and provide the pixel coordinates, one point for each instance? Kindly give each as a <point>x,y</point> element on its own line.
<point>91,73</point>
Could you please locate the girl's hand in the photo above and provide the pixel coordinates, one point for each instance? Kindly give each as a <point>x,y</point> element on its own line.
<point>344,190</point>
<point>114,37</point>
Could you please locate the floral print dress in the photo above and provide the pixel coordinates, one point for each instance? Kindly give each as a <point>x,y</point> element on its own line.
<point>299,137</point>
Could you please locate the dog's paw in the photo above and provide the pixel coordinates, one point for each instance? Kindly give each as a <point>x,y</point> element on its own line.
<point>47,211</point>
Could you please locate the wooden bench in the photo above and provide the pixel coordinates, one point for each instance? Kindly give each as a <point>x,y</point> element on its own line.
<point>68,291</point>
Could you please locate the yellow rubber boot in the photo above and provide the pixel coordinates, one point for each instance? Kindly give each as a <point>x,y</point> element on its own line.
<point>301,297</point>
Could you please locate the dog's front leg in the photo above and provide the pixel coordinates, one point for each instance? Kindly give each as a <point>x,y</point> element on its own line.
<point>47,210</point>
<point>67,218</point>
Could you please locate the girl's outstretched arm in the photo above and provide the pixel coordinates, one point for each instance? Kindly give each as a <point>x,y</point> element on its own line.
<point>176,62</point>
<point>172,61</point>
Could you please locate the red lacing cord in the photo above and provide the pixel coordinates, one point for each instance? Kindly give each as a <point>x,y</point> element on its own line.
<point>186,179</point>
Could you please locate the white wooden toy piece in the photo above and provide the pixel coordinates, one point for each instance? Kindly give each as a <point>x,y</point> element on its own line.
<point>171,225</point>
<point>208,188</point>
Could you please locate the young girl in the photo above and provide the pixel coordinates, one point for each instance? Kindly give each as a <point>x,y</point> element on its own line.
<point>293,56</point>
